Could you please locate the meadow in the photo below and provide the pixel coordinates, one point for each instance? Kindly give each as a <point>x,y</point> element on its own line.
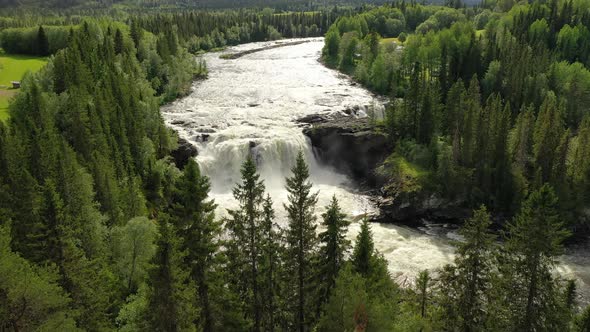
<point>13,68</point>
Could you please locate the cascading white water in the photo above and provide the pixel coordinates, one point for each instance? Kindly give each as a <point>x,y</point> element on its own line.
<point>250,104</point>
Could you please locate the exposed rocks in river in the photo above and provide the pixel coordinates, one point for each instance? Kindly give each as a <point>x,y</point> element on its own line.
<point>313,118</point>
<point>348,144</point>
<point>411,208</point>
<point>183,153</point>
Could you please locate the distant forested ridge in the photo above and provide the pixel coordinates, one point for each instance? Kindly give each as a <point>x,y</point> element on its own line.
<point>205,4</point>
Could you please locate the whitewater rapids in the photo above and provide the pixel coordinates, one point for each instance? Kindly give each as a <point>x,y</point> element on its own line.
<point>250,104</point>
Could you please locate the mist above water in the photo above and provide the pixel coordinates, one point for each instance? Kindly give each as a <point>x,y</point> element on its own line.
<point>249,106</point>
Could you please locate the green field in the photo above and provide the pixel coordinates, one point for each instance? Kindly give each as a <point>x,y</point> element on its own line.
<point>13,68</point>
<point>3,108</point>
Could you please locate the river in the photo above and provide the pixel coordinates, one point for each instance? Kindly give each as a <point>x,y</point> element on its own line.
<point>250,104</point>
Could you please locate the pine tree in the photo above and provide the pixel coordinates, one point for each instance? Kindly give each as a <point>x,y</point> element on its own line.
<point>301,243</point>
<point>472,105</point>
<point>474,266</point>
<point>333,247</point>
<point>271,268</point>
<point>549,129</point>
<point>426,124</point>
<point>536,237</point>
<point>119,46</point>
<point>364,250</point>
<point>195,225</point>
<point>422,290</point>
<point>244,246</point>
<point>169,306</point>
<point>42,42</point>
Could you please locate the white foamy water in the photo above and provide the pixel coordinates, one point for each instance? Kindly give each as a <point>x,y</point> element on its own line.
<point>248,105</point>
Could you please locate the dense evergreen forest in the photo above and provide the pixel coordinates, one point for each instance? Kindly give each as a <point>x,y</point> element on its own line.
<point>491,105</point>
<point>100,230</point>
<point>185,4</point>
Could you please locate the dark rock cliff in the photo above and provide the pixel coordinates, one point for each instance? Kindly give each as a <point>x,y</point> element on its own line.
<point>183,153</point>
<point>348,144</point>
<point>352,146</point>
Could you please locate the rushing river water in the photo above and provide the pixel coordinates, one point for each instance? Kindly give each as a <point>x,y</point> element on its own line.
<point>250,104</point>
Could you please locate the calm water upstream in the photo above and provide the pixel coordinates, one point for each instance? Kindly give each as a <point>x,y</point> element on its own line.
<point>249,104</point>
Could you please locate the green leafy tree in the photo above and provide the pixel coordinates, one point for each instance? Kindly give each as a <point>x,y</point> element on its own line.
<point>332,43</point>
<point>30,296</point>
<point>133,249</point>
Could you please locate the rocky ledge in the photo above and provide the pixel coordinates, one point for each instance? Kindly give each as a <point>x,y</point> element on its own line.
<point>352,146</point>
<point>349,144</point>
<point>183,153</point>
<point>415,208</point>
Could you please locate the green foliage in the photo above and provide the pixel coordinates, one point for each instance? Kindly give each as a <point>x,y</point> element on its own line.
<point>301,248</point>
<point>30,296</point>
<point>536,237</point>
<point>364,295</point>
<point>334,245</point>
<point>170,303</point>
<point>133,248</point>
<point>466,286</point>
<point>246,232</point>
<point>40,41</point>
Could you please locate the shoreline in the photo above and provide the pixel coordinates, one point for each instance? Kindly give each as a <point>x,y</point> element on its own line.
<point>233,56</point>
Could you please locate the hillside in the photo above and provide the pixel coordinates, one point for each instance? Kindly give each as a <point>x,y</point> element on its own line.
<point>212,4</point>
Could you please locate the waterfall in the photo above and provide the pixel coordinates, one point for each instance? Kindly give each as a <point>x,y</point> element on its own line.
<point>248,106</point>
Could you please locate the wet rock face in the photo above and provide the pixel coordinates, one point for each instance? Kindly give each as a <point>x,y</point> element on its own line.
<point>183,153</point>
<point>411,208</point>
<point>348,144</point>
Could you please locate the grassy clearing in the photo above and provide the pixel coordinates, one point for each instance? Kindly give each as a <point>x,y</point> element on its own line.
<point>390,40</point>
<point>13,68</point>
<point>409,169</point>
<point>3,108</point>
<point>405,176</point>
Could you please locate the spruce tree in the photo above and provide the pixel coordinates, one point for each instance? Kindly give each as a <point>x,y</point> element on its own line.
<point>474,268</point>
<point>271,268</point>
<point>548,132</point>
<point>301,244</point>
<point>364,249</point>
<point>535,241</point>
<point>169,300</point>
<point>245,243</point>
<point>42,42</point>
<point>194,219</point>
<point>333,248</point>
<point>119,46</point>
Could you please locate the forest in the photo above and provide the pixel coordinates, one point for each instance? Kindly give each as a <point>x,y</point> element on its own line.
<point>100,229</point>
<point>493,106</point>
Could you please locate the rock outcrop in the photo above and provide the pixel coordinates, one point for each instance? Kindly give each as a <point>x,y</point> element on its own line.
<point>349,144</point>
<point>411,208</point>
<point>183,153</point>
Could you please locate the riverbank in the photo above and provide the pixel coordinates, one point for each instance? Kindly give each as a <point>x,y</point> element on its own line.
<point>233,56</point>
